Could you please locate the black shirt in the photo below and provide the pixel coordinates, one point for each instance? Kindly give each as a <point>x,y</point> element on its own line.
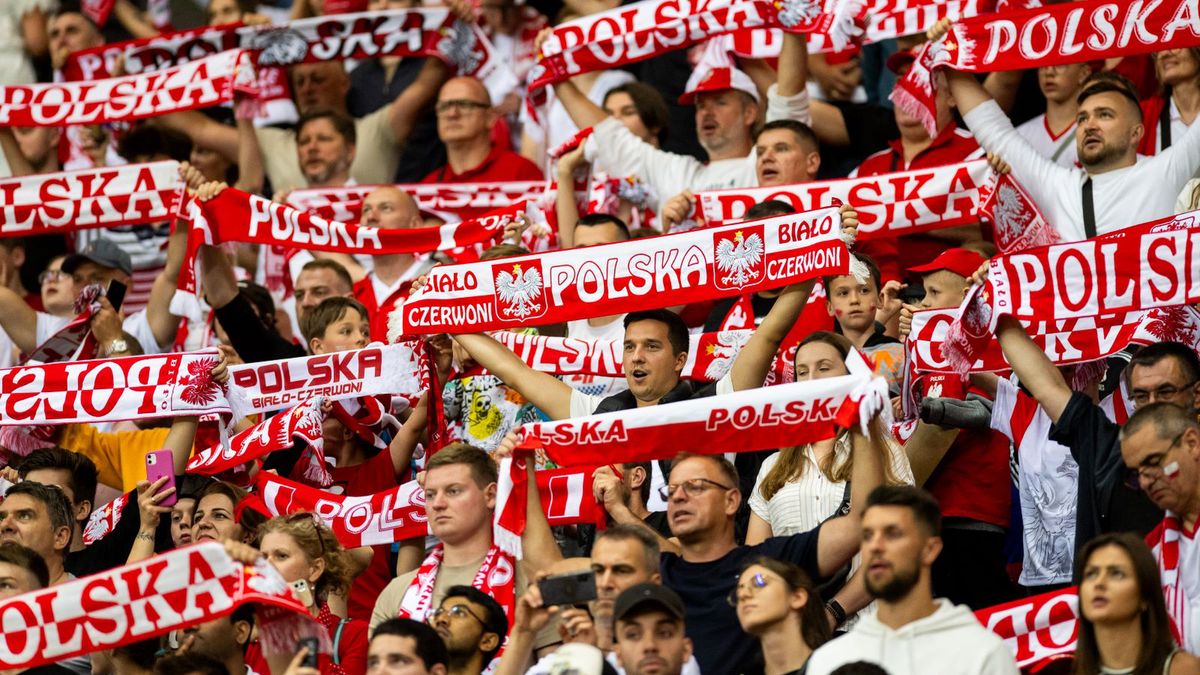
<point>370,90</point>
<point>251,338</point>
<point>718,640</point>
<point>112,549</point>
<point>1105,504</point>
<point>869,127</point>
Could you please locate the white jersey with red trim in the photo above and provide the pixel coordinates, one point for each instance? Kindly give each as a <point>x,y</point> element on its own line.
<point>1178,555</point>
<point>1048,482</point>
<point>1059,148</point>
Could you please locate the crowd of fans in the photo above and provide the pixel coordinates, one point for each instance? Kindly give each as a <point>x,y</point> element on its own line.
<point>857,554</point>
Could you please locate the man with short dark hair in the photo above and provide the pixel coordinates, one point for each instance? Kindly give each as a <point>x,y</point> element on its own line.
<point>22,570</point>
<point>224,639</point>
<point>325,144</point>
<point>406,647</point>
<point>472,625</point>
<point>651,636</point>
<point>901,530</point>
<point>39,516</point>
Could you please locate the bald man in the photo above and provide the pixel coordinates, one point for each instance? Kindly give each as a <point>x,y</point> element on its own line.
<point>464,123</point>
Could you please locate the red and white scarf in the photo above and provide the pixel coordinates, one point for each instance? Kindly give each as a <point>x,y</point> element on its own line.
<point>1152,265</point>
<point>74,341</point>
<point>398,514</point>
<point>710,355</point>
<point>756,419</point>
<point>278,432</point>
<point>434,31</point>
<point>452,202</point>
<point>674,269</point>
<point>199,84</point>
<point>1175,552</point>
<point>645,29</point>
<point>170,591</point>
<point>236,216</point>
<point>112,390</point>
<point>134,194</point>
<point>1036,628</point>
<point>1075,32</point>
<point>373,370</point>
<point>496,577</point>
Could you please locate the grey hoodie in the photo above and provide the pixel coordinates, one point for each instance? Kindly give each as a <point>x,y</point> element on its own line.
<point>948,642</point>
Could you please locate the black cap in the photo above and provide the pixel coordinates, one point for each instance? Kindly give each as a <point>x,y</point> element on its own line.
<point>638,597</point>
<point>103,252</point>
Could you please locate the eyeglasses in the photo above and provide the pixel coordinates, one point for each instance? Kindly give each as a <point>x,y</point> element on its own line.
<point>692,488</point>
<point>456,612</point>
<point>1165,392</point>
<point>460,105</point>
<point>52,275</point>
<point>1150,466</point>
<point>757,583</point>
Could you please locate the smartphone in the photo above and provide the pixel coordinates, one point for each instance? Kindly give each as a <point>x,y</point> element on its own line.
<point>115,294</point>
<point>310,659</point>
<point>158,464</point>
<point>570,589</point>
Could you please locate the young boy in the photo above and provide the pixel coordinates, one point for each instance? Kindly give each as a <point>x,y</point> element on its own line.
<point>853,304</point>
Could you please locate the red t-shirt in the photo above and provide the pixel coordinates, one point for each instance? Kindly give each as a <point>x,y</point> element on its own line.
<point>499,165</point>
<point>952,145</point>
<point>378,312</point>
<point>375,475</point>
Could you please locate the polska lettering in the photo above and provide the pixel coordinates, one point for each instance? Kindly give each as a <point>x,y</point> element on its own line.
<point>710,355</point>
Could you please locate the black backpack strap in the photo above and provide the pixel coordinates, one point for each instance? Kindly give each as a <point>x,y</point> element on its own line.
<point>1164,124</point>
<point>1089,210</point>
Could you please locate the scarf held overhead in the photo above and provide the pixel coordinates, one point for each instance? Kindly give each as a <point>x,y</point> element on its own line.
<point>134,194</point>
<point>451,202</point>
<point>171,591</point>
<point>1152,265</point>
<point>673,269</point>
<point>203,83</point>
<point>1060,34</point>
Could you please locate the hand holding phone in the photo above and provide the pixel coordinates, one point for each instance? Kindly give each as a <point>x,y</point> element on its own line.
<point>568,590</point>
<point>310,659</point>
<point>161,463</point>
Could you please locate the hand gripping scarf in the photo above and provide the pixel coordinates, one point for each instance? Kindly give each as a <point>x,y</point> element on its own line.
<point>302,423</point>
<point>1152,265</point>
<point>199,84</point>
<point>673,269</point>
<point>1060,34</point>
<point>69,201</point>
<point>171,591</point>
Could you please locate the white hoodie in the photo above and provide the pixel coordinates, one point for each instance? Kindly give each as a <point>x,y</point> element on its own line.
<point>948,642</point>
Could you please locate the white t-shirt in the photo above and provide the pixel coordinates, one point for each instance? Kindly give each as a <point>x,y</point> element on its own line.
<point>593,385</point>
<point>1048,483</point>
<point>135,324</point>
<point>1060,149</point>
<point>1178,127</point>
<point>559,125</point>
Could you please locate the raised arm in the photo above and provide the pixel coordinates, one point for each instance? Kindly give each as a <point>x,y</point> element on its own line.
<point>752,363</point>
<point>204,131</point>
<point>18,319</point>
<point>18,165</point>
<point>410,105</point>
<point>565,206</point>
<point>841,537</point>
<point>162,322</point>
<point>582,111</point>
<point>1035,370</point>
<point>550,394</point>
<point>249,159</point>
<point>827,121</point>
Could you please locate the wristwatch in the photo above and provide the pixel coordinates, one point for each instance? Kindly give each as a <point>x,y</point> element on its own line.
<point>839,613</point>
<point>118,346</point>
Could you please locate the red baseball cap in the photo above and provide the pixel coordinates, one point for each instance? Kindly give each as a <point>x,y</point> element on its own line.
<point>957,260</point>
<point>720,79</point>
<point>899,61</point>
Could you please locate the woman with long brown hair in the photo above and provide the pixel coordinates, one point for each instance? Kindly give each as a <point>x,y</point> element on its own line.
<point>779,604</point>
<point>1123,622</point>
<point>1169,113</point>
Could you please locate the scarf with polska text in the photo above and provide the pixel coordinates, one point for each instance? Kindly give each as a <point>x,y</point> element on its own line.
<point>1155,264</point>
<point>302,423</point>
<point>1066,342</point>
<point>203,83</point>
<point>641,30</point>
<point>674,269</point>
<point>452,202</point>
<point>1060,34</point>
<point>112,390</point>
<point>173,590</point>
<point>756,419</point>
<point>1037,629</point>
<point>68,201</point>
<point>432,31</point>
<point>236,216</point>
<point>398,514</point>
<point>904,202</point>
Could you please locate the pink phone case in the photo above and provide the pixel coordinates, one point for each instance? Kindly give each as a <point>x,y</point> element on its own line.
<point>158,464</point>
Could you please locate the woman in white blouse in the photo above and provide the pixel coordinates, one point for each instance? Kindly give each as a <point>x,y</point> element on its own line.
<point>798,488</point>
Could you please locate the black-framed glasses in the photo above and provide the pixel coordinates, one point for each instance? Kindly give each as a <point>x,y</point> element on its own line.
<point>757,583</point>
<point>456,612</point>
<point>692,488</point>
<point>52,275</point>
<point>1165,392</point>
<point>461,105</point>
<point>1151,465</point>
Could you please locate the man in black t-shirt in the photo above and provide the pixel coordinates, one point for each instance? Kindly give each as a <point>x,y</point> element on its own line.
<point>22,570</point>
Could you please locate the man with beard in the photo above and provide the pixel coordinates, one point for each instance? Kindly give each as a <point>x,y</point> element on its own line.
<point>472,625</point>
<point>1083,202</point>
<point>900,540</point>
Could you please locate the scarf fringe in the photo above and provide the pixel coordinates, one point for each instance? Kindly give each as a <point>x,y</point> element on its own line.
<point>914,107</point>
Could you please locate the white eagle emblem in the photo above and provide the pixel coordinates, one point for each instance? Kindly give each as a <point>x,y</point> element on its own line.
<point>280,47</point>
<point>459,46</point>
<point>795,12</point>
<point>935,390</point>
<point>520,291</point>
<point>1009,214</point>
<point>739,258</point>
<point>729,343</point>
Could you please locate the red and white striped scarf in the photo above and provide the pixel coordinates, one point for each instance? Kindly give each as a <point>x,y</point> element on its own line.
<point>674,269</point>
<point>134,194</point>
<point>1175,551</point>
<point>1061,34</point>
<point>496,577</point>
<point>452,202</point>
<point>203,83</point>
<point>1151,265</point>
<point>279,432</point>
<point>170,591</point>
<point>1038,628</point>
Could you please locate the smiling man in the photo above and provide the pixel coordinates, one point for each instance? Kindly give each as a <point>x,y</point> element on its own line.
<point>901,531</point>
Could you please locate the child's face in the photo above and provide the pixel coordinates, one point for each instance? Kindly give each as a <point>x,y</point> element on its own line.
<point>350,331</point>
<point>853,304</point>
<point>943,289</point>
